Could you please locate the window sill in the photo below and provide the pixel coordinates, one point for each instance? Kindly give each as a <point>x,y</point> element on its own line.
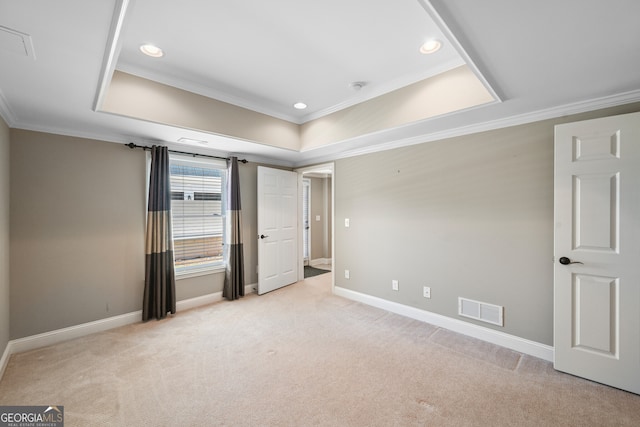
<point>202,272</point>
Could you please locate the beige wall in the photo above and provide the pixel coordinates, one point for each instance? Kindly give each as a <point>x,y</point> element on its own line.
<point>453,90</point>
<point>450,91</point>
<point>4,236</point>
<point>470,216</point>
<point>77,232</point>
<point>134,96</point>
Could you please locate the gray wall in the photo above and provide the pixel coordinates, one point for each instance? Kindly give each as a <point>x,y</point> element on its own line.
<point>4,236</point>
<point>77,232</point>
<point>470,216</point>
<point>320,205</point>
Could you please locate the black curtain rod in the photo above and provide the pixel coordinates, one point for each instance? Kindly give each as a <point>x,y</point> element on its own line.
<point>144,147</point>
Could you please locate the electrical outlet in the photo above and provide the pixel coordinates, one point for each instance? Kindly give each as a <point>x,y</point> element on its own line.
<point>346,274</point>
<point>394,285</point>
<point>426,292</point>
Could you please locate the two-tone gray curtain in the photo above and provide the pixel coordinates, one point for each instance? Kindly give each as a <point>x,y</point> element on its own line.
<point>234,254</point>
<point>159,280</point>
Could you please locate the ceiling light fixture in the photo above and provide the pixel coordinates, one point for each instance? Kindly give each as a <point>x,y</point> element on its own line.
<point>300,105</point>
<point>430,46</point>
<point>152,51</point>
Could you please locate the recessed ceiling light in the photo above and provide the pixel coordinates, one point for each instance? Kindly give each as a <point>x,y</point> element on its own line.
<point>151,50</point>
<point>300,105</point>
<point>430,46</point>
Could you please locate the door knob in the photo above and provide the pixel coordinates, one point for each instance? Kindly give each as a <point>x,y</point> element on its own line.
<point>566,261</point>
<point>262,236</point>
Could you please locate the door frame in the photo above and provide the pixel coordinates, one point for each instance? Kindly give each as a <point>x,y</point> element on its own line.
<point>329,169</point>
<point>306,182</point>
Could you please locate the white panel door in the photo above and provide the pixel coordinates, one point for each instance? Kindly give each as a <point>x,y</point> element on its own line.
<point>277,229</point>
<point>597,250</point>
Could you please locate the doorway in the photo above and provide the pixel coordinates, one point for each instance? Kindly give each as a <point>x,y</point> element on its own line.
<point>306,221</point>
<point>316,220</point>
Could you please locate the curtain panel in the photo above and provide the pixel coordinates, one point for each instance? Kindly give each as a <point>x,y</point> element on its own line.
<point>159,282</point>
<point>234,253</point>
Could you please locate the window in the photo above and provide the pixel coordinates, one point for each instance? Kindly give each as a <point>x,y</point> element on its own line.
<point>197,212</point>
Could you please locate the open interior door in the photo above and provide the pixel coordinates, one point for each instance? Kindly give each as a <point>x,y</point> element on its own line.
<point>597,250</point>
<point>277,229</point>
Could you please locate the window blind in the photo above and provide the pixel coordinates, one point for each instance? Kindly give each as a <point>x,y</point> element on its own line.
<point>197,214</point>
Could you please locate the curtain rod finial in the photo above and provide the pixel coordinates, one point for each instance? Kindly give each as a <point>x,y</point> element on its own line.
<point>131,145</point>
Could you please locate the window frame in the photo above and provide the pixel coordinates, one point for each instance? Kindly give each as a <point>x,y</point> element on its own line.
<point>194,271</point>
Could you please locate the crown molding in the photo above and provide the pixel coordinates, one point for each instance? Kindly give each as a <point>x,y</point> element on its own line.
<point>308,157</point>
<point>515,120</point>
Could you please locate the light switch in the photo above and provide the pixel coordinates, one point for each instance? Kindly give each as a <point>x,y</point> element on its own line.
<point>317,217</point>
<point>346,222</point>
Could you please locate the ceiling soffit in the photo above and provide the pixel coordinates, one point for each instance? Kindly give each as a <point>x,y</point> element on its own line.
<point>446,92</point>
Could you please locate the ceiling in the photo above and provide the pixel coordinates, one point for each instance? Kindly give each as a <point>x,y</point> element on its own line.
<point>539,59</point>
<point>251,53</point>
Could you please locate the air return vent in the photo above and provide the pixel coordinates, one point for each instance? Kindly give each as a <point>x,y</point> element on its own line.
<point>482,311</point>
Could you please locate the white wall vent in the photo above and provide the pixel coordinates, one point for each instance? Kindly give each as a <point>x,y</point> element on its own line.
<point>483,311</point>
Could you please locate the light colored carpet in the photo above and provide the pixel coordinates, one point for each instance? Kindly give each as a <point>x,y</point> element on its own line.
<point>300,356</point>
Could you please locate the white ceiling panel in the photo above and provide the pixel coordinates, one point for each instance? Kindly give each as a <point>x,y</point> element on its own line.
<point>266,56</point>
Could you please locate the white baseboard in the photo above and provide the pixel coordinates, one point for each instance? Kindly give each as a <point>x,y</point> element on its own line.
<point>59,335</point>
<point>319,261</point>
<point>512,342</point>
<point>190,303</point>
<point>53,337</point>
<point>251,289</point>
<point>209,298</point>
<point>5,359</point>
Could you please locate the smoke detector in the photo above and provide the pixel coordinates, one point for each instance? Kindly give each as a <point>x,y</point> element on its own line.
<point>357,85</point>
